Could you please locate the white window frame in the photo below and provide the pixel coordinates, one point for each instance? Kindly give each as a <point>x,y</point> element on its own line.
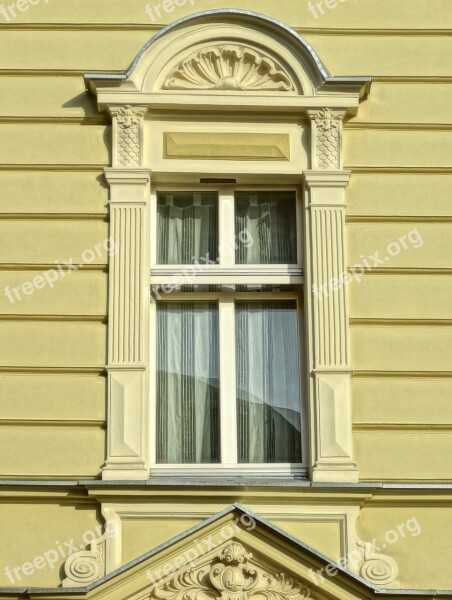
<point>227,272</point>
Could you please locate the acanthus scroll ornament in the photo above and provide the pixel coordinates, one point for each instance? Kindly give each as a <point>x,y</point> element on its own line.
<point>229,67</point>
<point>230,576</point>
<point>328,139</point>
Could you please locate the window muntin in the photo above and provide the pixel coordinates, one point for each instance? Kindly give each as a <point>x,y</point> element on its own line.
<point>270,219</point>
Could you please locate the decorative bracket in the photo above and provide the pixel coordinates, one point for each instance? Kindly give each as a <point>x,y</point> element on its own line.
<point>378,569</point>
<point>86,566</point>
<point>327,134</point>
<point>128,135</point>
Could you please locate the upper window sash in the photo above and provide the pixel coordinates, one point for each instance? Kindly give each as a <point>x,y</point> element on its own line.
<point>232,244</point>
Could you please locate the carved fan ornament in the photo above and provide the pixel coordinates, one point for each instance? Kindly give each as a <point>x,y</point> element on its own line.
<point>229,577</point>
<point>229,67</point>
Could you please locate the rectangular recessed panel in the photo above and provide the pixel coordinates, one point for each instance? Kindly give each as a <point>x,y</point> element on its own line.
<point>227,146</point>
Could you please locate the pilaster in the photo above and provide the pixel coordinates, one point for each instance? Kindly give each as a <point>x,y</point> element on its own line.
<point>128,405</point>
<point>328,319</point>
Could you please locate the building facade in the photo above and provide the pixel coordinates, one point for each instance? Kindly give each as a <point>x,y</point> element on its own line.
<point>225,311</point>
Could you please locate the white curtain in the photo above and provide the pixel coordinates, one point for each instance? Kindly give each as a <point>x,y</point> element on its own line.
<point>269,220</point>
<point>268,386</point>
<point>187,227</point>
<point>187,383</point>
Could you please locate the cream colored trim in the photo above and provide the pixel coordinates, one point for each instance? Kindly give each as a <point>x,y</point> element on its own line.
<point>117,512</point>
<point>311,113</point>
<point>128,431</point>
<point>327,316</point>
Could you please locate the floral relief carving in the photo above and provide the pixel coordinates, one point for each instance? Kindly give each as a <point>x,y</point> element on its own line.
<point>230,576</point>
<point>229,67</point>
<point>328,139</point>
<point>128,136</point>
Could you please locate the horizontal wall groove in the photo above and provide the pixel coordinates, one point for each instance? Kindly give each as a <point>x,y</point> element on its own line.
<point>87,26</point>
<point>387,170</point>
<point>56,216</point>
<point>22,370</point>
<point>397,219</point>
<point>155,27</point>
<point>96,168</point>
<point>404,271</point>
<point>53,423</point>
<point>56,72</point>
<point>19,267</point>
<point>56,318</point>
<point>81,72</point>
<point>46,120</point>
<point>402,374</point>
<point>411,78</point>
<point>377,322</point>
<point>402,427</point>
<point>363,126</point>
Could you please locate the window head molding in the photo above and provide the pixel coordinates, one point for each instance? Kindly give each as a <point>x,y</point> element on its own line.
<point>280,52</point>
<point>284,94</point>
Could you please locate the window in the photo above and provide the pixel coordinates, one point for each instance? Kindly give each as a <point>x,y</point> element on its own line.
<point>226,324</point>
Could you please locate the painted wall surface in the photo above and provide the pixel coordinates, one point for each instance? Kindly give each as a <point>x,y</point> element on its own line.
<point>54,145</point>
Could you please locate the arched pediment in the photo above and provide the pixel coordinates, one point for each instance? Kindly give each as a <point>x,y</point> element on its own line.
<point>228,51</point>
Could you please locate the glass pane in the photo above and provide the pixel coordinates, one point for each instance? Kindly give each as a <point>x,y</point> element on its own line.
<point>187,226</point>
<point>187,383</point>
<point>266,228</point>
<point>268,382</point>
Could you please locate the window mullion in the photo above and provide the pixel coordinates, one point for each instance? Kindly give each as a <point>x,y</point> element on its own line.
<point>228,381</point>
<point>227,228</point>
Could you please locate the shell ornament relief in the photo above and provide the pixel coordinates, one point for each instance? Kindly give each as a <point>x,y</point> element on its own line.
<point>229,67</point>
<point>229,577</point>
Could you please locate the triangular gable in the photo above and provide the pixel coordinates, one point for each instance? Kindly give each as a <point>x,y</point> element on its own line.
<point>234,555</point>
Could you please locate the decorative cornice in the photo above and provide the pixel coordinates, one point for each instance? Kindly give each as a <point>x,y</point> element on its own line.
<point>230,576</point>
<point>232,67</point>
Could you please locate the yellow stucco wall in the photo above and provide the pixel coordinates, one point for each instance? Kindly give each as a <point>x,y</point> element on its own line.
<point>53,147</point>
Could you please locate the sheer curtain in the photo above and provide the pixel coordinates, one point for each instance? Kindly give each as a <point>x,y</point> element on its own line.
<point>187,227</point>
<point>187,383</point>
<point>269,218</point>
<point>268,386</point>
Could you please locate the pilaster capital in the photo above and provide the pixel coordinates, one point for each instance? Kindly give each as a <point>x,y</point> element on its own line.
<point>327,179</point>
<point>326,138</point>
<point>127,134</point>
